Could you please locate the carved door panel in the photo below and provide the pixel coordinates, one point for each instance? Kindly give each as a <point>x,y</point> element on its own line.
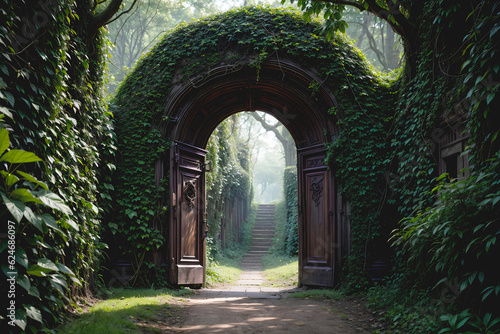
<point>316,218</point>
<point>187,225</point>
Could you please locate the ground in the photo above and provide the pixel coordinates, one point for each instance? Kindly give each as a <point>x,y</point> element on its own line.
<point>263,310</point>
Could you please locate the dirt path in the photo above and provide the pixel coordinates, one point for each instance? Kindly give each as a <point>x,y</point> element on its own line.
<point>268,310</point>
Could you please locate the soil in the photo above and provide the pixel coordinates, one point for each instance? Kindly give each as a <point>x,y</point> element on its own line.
<point>264,310</point>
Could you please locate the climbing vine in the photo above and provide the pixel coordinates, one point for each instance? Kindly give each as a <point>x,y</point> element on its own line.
<point>447,239</point>
<point>250,36</point>
<point>51,103</point>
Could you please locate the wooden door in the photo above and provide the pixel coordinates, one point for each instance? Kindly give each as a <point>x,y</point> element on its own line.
<point>187,228</point>
<point>316,218</point>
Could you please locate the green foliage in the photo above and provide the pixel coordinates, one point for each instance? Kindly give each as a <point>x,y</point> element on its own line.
<point>51,101</point>
<point>456,238</point>
<point>292,218</point>
<point>248,35</point>
<point>446,242</point>
<point>278,245</point>
<point>34,263</point>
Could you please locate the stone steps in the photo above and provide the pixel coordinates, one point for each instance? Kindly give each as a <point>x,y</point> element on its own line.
<point>262,235</point>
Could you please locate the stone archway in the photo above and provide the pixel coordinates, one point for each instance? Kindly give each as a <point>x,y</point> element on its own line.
<point>248,59</point>
<point>193,110</point>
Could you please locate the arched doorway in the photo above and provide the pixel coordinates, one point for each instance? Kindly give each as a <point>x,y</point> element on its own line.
<point>193,110</point>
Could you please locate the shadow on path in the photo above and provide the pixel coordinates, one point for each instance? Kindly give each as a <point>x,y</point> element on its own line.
<point>263,310</point>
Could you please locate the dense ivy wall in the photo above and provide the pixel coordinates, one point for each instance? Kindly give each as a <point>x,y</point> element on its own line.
<point>51,76</point>
<point>254,34</point>
<point>446,245</point>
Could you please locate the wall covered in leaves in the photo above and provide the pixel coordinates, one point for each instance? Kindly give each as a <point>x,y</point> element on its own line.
<point>249,35</point>
<point>446,244</point>
<point>51,74</point>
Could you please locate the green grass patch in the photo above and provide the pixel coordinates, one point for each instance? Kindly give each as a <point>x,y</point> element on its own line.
<point>126,311</point>
<point>318,294</point>
<point>280,270</point>
<point>225,271</point>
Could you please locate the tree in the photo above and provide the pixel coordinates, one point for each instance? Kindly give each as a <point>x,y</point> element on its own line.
<point>282,134</point>
<point>376,39</point>
<point>396,13</point>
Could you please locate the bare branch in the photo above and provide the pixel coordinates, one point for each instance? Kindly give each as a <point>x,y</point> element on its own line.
<point>105,17</point>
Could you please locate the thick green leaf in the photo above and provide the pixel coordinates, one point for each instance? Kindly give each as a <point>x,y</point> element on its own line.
<point>63,268</point>
<point>25,196</point>
<point>9,179</point>
<point>19,157</point>
<point>21,319</point>
<point>4,140</point>
<point>35,219</point>
<point>16,208</point>
<point>6,112</point>
<point>34,313</point>
<point>34,292</point>
<point>32,179</point>
<point>21,257</point>
<point>53,201</point>
<point>70,223</point>
<point>42,268</point>
<point>24,281</point>
<point>51,222</point>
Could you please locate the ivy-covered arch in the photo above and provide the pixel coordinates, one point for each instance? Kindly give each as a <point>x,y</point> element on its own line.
<point>247,59</point>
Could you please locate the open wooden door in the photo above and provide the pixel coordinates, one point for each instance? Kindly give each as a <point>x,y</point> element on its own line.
<point>316,218</point>
<point>187,215</point>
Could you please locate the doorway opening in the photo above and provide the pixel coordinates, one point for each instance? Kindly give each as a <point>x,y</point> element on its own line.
<point>251,203</point>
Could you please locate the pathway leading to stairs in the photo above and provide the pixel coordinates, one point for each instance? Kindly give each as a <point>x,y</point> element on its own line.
<point>249,307</point>
<point>251,264</point>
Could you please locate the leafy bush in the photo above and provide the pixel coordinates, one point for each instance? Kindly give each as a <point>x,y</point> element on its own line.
<point>455,239</point>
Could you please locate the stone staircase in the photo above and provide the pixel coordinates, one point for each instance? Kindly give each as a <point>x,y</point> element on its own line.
<point>263,233</point>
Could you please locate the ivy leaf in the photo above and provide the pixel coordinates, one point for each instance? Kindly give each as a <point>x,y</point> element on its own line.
<point>9,178</point>
<point>51,222</point>
<point>42,268</point>
<point>16,208</point>
<point>53,201</point>
<point>24,195</point>
<point>3,85</point>
<point>24,281</point>
<point>4,140</point>
<point>69,272</point>
<point>9,97</point>
<point>21,319</point>
<point>19,157</point>
<point>70,223</point>
<point>34,219</point>
<point>21,257</point>
<point>32,179</point>
<point>34,313</point>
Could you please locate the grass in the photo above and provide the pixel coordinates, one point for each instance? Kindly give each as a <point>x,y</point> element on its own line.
<point>280,270</point>
<point>318,294</point>
<point>127,311</point>
<point>225,271</point>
